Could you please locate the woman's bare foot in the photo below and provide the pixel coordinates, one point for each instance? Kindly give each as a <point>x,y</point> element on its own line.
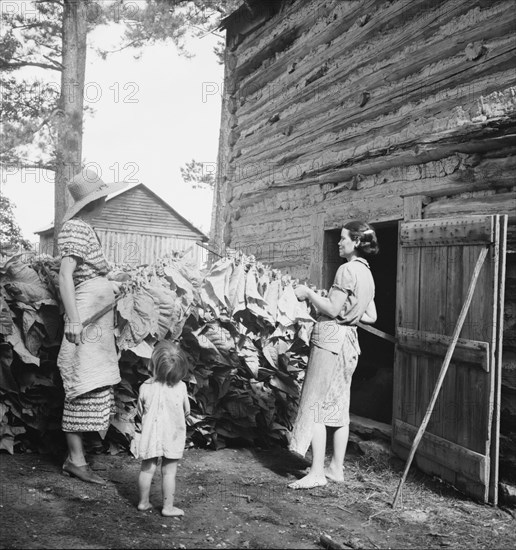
<point>334,474</point>
<point>172,512</point>
<point>144,506</point>
<point>308,482</point>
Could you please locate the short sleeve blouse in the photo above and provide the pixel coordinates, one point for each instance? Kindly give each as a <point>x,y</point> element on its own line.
<point>355,279</point>
<point>78,239</point>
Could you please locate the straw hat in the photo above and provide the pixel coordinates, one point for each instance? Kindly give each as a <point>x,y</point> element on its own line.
<point>86,187</point>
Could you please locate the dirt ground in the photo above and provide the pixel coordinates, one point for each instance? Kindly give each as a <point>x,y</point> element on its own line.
<point>237,498</point>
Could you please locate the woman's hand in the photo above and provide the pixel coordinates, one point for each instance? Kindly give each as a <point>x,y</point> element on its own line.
<point>302,292</point>
<point>117,287</point>
<point>369,317</point>
<point>73,331</point>
<point>190,421</point>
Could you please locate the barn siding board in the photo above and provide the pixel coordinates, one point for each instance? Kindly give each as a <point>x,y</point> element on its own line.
<point>335,110</point>
<point>140,248</point>
<point>138,208</point>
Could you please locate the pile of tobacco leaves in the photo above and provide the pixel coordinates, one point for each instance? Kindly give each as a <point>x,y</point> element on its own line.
<point>244,331</point>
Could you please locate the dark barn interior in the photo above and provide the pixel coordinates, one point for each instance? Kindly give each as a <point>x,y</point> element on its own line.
<point>371,389</point>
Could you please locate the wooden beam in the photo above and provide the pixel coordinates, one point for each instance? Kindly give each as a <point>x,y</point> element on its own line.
<point>426,343</point>
<point>369,427</point>
<point>413,207</point>
<point>377,332</point>
<point>430,232</point>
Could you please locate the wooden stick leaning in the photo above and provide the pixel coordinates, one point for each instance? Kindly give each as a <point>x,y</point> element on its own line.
<point>103,311</point>
<point>443,371</point>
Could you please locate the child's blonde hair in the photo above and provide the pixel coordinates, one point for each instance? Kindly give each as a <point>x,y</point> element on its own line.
<point>168,363</point>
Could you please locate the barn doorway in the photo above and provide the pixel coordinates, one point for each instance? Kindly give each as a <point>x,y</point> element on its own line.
<point>371,389</point>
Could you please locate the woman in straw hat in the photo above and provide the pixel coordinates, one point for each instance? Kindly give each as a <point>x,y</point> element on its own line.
<point>87,359</point>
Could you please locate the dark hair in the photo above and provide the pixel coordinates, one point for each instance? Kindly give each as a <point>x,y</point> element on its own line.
<point>366,235</point>
<point>91,206</point>
<point>168,363</point>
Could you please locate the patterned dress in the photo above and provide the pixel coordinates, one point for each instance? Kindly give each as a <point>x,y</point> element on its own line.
<point>333,357</point>
<point>89,369</point>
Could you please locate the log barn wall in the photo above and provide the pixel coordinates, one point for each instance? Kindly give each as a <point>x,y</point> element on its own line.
<point>367,109</point>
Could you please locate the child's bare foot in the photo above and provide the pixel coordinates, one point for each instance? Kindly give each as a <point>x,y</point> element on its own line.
<point>144,506</point>
<point>172,512</point>
<point>334,474</point>
<point>308,482</point>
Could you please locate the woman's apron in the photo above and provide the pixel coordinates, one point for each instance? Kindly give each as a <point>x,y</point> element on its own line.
<point>94,362</point>
<point>326,388</point>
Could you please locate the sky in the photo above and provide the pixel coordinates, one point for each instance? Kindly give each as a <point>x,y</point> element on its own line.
<point>151,116</point>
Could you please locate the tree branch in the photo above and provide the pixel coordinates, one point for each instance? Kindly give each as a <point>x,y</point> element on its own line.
<point>54,61</point>
<point>36,130</point>
<point>28,26</point>
<point>26,164</point>
<point>5,65</point>
<point>124,47</point>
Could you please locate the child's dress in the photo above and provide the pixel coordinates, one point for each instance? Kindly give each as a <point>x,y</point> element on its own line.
<point>162,410</point>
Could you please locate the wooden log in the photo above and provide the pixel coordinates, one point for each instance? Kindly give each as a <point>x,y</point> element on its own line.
<point>390,92</point>
<point>368,427</point>
<point>383,35</point>
<point>357,151</point>
<point>490,174</point>
<point>327,542</point>
<point>374,161</point>
<point>501,203</point>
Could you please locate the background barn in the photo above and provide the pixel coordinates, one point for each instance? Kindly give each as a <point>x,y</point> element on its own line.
<point>401,113</point>
<point>137,227</point>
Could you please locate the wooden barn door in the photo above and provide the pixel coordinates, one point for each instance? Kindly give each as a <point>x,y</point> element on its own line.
<point>435,266</point>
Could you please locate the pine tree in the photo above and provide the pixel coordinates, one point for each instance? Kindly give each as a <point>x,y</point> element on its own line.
<point>42,122</point>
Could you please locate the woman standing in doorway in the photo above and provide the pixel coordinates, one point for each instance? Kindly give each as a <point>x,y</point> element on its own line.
<point>87,360</point>
<point>334,356</point>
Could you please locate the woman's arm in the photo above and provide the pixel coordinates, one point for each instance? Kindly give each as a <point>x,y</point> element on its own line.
<point>73,325</point>
<point>330,306</point>
<point>186,407</point>
<point>139,413</point>
<point>370,314</point>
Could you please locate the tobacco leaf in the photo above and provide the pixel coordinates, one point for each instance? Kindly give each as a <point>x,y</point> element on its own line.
<point>235,290</point>
<point>16,341</point>
<point>6,318</point>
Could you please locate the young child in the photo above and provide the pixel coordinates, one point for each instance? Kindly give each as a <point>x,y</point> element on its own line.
<point>162,406</point>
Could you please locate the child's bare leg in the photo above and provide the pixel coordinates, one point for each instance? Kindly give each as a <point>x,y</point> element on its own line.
<point>168,480</point>
<point>340,443</point>
<point>144,483</point>
<point>316,477</point>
